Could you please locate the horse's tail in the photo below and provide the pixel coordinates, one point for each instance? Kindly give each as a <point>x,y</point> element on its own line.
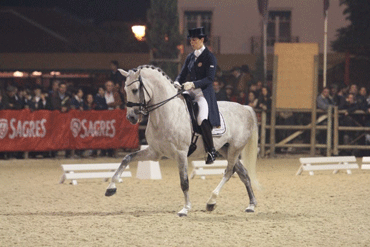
<point>249,153</point>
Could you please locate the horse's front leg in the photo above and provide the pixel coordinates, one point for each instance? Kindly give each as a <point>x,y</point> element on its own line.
<point>182,161</point>
<point>142,155</point>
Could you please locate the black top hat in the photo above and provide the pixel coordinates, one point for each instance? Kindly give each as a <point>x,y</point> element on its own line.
<point>197,33</point>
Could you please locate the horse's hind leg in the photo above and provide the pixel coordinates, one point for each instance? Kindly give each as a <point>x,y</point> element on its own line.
<point>143,155</point>
<point>229,171</point>
<point>243,175</point>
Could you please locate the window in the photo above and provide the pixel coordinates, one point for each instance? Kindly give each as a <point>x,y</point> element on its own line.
<point>279,27</point>
<point>195,19</point>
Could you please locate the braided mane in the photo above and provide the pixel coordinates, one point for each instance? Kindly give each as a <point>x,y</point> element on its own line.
<point>154,68</point>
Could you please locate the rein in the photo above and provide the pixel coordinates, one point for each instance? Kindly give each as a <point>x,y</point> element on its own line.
<point>144,108</point>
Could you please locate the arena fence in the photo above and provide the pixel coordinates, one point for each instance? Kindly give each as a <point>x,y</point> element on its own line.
<point>328,127</point>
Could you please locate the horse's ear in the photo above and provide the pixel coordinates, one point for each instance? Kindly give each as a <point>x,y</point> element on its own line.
<point>124,73</point>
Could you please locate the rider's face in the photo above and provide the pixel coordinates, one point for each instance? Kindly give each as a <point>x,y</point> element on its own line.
<point>196,43</point>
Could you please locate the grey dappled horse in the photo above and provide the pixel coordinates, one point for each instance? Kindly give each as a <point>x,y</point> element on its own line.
<point>169,133</point>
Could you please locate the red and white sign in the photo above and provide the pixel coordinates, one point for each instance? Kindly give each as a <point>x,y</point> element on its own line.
<point>23,130</point>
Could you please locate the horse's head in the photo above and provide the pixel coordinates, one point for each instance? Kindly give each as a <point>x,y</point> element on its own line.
<point>137,95</point>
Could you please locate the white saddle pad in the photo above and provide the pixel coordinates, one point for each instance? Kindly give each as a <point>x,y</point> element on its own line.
<point>220,130</point>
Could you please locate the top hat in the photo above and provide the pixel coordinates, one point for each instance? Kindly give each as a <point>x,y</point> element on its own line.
<point>197,33</point>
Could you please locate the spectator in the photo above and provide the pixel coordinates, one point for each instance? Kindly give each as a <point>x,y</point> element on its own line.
<point>353,89</point>
<point>253,88</point>
<point>114,102</point>
<point>12,103</point>
<point>229,93</point>
<point>77,101</point>
<point>89,103</point>
<point>121,93</point>
<point>349,119</point>
<point>361,99</point>
<point>40,100</point>
<point>323,100</point>
<point>220,92</point>
<point>61,100</point>
<point>240,80</point>
<point>115,76</point>
<point>112,97</point>
<point>340,98</point>
<point>10,100</point>
<point>242,98</point>
<point>252,100</point>
<point>259,86</point>
<point>100,102</point>
<point>264,101</point>
<point>54,88</point>
<point>24,97</point>
<point>220,77</point>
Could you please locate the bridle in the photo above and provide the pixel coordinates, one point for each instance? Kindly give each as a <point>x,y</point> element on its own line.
<point>144,107</point>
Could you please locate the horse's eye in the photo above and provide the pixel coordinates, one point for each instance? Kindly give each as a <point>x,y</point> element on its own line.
<point>134,91</point>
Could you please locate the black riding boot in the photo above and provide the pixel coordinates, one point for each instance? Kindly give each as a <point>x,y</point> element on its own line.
<point>208,141</point>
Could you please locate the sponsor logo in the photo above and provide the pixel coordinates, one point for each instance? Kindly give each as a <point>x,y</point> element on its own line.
<point>3,128</point>
<point>87,128</point>
<point>22,129</point>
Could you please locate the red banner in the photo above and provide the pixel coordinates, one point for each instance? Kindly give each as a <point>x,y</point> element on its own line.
<point>23,130</point>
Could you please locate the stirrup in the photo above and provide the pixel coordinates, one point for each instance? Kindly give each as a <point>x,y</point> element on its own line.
<point>211,156</point>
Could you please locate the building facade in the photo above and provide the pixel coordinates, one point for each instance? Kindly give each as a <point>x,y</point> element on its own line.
<point>235,26</point>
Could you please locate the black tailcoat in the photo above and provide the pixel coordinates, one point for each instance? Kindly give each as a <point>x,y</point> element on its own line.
<point>202,73</point>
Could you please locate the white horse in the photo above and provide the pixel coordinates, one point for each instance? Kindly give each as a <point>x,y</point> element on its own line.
<point>169,133</point>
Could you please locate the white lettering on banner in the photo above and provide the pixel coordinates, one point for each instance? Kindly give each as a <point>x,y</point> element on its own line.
<point>98,128</point>
<point>4,127</point>
<point>27,129</point>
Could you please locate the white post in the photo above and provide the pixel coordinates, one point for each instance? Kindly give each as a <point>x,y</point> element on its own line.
<point>325,47</point>
<point>265,50</point>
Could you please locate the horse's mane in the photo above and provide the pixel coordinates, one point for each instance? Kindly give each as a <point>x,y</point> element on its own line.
<point>155,69</point>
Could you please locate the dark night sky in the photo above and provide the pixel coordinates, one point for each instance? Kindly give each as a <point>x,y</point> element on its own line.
<point>98,10</point>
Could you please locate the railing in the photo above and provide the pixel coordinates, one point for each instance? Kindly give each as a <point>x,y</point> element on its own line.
<point>330,123</point>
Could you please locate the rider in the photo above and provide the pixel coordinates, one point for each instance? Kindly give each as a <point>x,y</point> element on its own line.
<point>200,67</point>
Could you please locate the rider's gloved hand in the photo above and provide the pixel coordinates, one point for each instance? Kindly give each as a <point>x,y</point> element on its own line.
<point>188,85</point>
<point>177,85</point>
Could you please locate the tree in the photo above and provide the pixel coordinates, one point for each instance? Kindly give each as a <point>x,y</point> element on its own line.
<point>163,35</point>
<point>355,37</point>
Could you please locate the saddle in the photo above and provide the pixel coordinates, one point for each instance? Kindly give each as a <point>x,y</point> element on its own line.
<point>193,109</point>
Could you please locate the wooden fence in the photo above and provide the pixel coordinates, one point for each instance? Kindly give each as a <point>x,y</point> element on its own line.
<point>327,121</point>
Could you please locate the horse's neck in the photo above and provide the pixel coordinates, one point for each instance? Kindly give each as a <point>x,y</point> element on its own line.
<point>171,112</point>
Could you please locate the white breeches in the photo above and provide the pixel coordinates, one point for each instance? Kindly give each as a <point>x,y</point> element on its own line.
<point>197,96</point>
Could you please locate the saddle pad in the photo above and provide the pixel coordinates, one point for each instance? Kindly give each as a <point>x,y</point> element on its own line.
<point>220,130</point>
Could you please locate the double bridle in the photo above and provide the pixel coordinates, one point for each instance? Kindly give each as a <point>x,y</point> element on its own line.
<point>144,107</point>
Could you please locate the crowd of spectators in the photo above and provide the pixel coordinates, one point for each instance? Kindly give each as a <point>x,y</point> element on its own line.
<point>348,98</point>
<point>63,98</point>
<point>242,89</point>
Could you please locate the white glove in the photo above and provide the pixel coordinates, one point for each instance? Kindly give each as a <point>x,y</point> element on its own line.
<point>177,85</point>
<point>188,85</point>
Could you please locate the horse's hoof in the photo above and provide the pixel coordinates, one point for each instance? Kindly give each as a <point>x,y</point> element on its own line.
<point>211,207</point>
<point>111,192</point>
<point>250,209</point>
<point>181,215</point>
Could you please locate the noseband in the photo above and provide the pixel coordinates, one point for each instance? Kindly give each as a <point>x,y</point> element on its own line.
<point>144,107</point>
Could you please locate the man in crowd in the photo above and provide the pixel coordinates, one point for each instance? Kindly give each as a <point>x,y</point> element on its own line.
<point>323,100</point>
<point>10,100</point>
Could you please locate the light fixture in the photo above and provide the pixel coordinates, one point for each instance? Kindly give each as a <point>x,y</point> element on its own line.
<point>36,73</point>
<point>18,74</point>
<point>139,32</point>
